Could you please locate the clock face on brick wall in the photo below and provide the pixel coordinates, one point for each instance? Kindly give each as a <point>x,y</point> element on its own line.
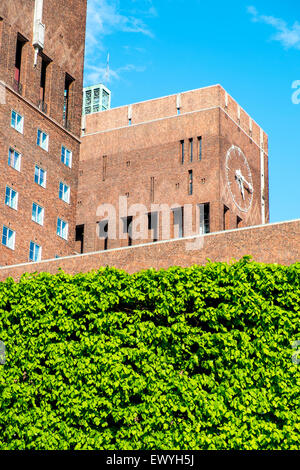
<point>239,178</point>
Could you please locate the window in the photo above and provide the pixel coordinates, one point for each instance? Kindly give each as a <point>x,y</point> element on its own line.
<point>182,151</point>
<point>200,148</point>
<point>67,93</point>
<point>14,159</point>
<point>43,84</point>
<point>104,167</point>
<point>17,121</point>
<point>105,100</point>
<point>152,182</point>
<point>37,214</point>
<point>35,252</point>
<point>42,140</point>
<point>64,192</point>
<point>178,222</point>
<point>204,220</point>
<point>40,176</point>
<point>127,228</point>
<point>62,229</point>
<point>153,225</point>
<point>8,237</point>
<point>239,222</point>
<point>11,198</point>
<point>190,182</point>
<point>18,60</point>
<point>226,215</point>
<point>191,149</point>
<point>66,156</point>
<point>103,233</point>
<point>79,236</point>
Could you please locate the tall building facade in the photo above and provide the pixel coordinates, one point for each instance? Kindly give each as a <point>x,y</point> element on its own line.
<point>41,74</point>
<point>184,164</point>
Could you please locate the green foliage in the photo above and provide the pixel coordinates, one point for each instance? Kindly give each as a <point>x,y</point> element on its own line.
<point>195,358</point>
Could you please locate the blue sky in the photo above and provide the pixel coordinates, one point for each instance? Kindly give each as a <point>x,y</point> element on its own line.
<point>251,48</point>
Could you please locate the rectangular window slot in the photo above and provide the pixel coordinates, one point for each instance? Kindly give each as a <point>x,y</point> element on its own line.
<point>190,182</point>
<point>204,218</point>
<point>200,148</point>
<point>182,151</point>
<point>79,236</point>
<point>178,222</point>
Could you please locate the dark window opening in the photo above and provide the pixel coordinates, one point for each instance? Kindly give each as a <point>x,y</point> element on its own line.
<point>43,82</point>
<point>178,222</point>
<point>204,225</point>
<point>127,228</point>
<point>225,218</point>
<point>239,222</point>
<point>190,182</point>
<point>152,189</point>
<point>103,233</point>
<point>104,167</point>
<point>191,149</point>
<point>182,151</point>
<point>67,99</point>
<point>79,237</point>
<point>18,62</point>
<point>153,224</point>
<point>200,148</point>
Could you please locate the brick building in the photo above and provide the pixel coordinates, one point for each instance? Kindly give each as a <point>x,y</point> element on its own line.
<point>197,152</point>
<point>41,73</point>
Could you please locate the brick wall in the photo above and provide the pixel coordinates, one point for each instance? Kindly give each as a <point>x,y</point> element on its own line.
<point>274,243</point>
<point>65,50</point>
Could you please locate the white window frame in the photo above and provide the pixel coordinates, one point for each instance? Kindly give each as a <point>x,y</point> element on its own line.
<point>61,231</point>
<point>18,166</point>
<point>13,202</point>
<point>35,218</point>
<point>64,192</point>
<point>40,141</point>
<point>10,236</point>
<point>63,156</point>
<point>39,169</point>
<point>37,248</point>
<point>19,127</point>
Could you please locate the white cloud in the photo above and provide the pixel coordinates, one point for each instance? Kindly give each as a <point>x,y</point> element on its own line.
<point>104,17</point>
<point>288,36</point>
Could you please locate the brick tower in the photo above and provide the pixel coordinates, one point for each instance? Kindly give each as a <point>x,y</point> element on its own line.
<point>41,74</point>
<point>197,152</point>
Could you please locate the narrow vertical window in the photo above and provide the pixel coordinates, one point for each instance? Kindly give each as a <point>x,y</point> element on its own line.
<point>79,236</point>
<point>43,82</point>
<point>18,63</point>
<point>153,225</point>
<point>178,222</point>
<point>64,192</point>
<point>226,214</point>
<point>239,222</point>
<point>190,182</point>
<point>67,95</point>
<point>200,148</point>
<point>182,151</point>
<point>40,176</point>
<point>103,233</point>
<point>104,167</point>
<point>152,182</point>
<point>127,228</point>
<point>204,218</point>
<point>42,140</point>
<point>191,149</point>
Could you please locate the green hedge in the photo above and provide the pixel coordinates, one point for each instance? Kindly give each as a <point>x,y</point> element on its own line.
<point>195,358</point>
